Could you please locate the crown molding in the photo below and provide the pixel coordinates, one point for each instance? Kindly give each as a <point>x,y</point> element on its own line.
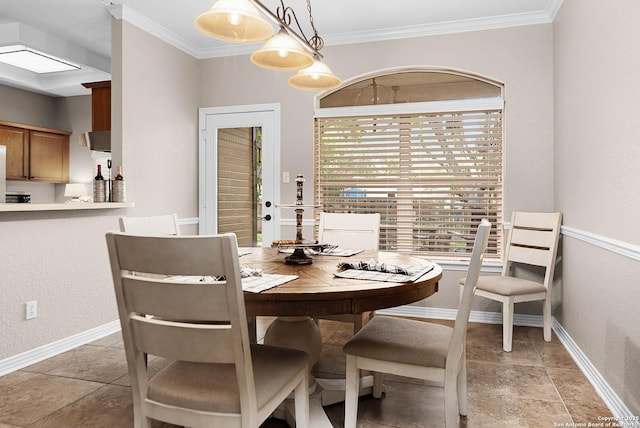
<point>545,16</point>
<point>123,12</point>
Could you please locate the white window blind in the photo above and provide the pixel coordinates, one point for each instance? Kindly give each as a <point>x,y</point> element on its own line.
<point>432,176</point>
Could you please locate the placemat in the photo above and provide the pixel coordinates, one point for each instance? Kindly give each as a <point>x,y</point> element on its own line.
<point>252,284</point>
<point>336,251</point>
<point>415,272</point>
<point>256,284</point>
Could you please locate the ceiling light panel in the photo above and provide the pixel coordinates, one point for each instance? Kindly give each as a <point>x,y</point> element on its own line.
<point>33,60</point>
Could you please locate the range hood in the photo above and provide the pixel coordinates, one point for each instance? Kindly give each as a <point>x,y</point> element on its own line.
<point>99,141</point>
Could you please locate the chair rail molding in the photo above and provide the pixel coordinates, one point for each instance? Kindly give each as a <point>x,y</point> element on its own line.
<point>619,247</point>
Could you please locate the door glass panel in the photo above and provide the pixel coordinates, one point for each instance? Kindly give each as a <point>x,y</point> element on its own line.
<point>240,184</point>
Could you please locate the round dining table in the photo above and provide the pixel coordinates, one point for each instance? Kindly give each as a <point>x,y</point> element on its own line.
<point>318,291</point>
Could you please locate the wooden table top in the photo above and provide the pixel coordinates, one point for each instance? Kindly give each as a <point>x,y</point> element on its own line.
<point>318,292</point>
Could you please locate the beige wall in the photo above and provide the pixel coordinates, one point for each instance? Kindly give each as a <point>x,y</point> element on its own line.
<point>597,182</point>
<point>159,98</point>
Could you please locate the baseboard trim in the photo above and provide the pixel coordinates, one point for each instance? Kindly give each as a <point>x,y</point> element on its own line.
<point>600,385</point>
<point>608,395</point>
<point>49,350</point>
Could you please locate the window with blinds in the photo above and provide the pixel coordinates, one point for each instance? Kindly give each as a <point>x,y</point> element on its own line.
<point>432,176</point>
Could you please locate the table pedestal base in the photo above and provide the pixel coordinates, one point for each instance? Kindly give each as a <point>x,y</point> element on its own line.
<point>303,333</point>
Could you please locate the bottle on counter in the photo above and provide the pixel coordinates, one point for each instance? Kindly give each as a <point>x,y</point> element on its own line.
<point>99,174</point>
<point>118,188</point>
<point>99,187</point>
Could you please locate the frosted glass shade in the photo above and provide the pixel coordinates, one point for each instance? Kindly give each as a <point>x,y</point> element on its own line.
<point>282,52</point>
<point>234,21</point>
<point>317,77</point>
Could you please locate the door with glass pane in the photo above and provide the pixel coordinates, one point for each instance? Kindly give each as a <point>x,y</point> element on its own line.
<point>238,164</point>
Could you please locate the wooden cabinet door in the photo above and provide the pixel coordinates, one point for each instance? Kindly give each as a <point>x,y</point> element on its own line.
<point>17,142</point>
<point>49,157</point>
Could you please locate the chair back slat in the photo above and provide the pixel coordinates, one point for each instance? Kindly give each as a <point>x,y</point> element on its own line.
<point>357,231</point>
<point>157,255</point>
<point>540,238</point>
<point>529,255</point>
<point>199,301</point>
<point>157,225</point>
<point>200,343</point>
<point>535,220</point>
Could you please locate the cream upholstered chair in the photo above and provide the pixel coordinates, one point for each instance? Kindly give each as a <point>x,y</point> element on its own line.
<point>151,225</point>
<point>215,377</point>
<point>353,231</point>
<point>533,240</point>
<point>417,349</point>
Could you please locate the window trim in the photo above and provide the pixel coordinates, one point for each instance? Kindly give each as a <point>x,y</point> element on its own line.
<point>411,108</point>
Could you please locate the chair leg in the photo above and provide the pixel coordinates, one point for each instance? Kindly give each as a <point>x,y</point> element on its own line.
<point>351,392</point>
<point>377,385</point>
<point>462,386</point>
<point>546,317</point>
<point>507,325</point>
<point>451,412</point>
<point>301,403</point>
<point>358,322</point>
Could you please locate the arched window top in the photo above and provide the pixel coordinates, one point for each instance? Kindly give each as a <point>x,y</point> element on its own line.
<point>411,86</point>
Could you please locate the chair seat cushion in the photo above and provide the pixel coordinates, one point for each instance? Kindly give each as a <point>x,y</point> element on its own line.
<point>403,341</point>
<point>213,387</point>
<point>508,285</point>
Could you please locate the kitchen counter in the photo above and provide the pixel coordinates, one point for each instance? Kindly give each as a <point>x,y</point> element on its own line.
<point>15,207</point>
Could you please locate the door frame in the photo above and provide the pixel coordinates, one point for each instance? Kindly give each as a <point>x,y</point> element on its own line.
<point>265,116</point>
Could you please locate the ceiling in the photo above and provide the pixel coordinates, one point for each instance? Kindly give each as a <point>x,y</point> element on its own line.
<point>79,30</point>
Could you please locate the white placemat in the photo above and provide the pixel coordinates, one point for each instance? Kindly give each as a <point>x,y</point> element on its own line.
<point>415,272</point>
<point>256,284</point>
<point>252,284</point>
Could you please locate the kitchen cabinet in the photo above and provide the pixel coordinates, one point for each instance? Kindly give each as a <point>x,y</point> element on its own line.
<point>35,153</point>
<point>100,105</point>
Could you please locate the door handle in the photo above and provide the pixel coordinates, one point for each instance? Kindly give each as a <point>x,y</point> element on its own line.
<point>267,217</point>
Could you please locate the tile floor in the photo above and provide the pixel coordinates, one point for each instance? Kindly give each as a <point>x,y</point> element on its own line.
<point>536,385</point>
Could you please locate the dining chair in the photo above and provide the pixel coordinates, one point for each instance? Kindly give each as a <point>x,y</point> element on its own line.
<point>532,240</point>
<point>417,349</point>
<point>151,225</point>
<point>215,377</point>
<point>353,231</point>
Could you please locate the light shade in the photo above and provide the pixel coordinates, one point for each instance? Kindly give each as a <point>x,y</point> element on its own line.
<point>75,190</point>
<point>234,21</point>
<point>33,60</point>
<point>317,77</point>
<point>282,52</point>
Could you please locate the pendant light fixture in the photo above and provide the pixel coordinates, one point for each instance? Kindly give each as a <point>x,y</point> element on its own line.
<point>241,21</point>
<point>234,21</point>
<point>316,77</point>
<point>282,52</point>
